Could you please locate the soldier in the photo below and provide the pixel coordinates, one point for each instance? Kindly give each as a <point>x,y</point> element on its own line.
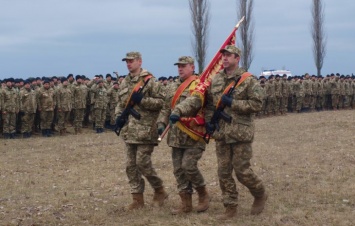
<point>46,104</point>
<point>334,91</point>
<point>140,136</point>
<point>233,140</point>
<point>284,94</point>
<point>10,107</point>
<point>307,90</point>
<point>314,86</point>
<point>28,107</point>
<point>64,105</point>
<point>270,96</point>
<point>80,93</point>
<point>278,94</point>
<point>298,94</point>
<point>100,105</point>
<point>185,151</point>
<point>112,95</point>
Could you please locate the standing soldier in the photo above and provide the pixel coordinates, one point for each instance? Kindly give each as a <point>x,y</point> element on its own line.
<point>284,93</point>
<point>278,94</point>
<point>334,91</point>
<point>28,106</point>
<point>112,95</point>
<point>64,105</point>
<point>100,105</point>
<point>298,94</point>
<point>270,96</point>
<point>46,104</point>
<point>307,89</point>
<point>320,94</point>
<point>140,136</point>
<point>80,93</point>
<point>185,151</point>
<point>233,140</point>
<point>108,83</point>
<point>314,86</point>
<point>341,92</point>
<point>10,107</point>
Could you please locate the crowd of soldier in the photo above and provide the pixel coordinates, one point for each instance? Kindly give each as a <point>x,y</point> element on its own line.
<point>306,93</point>
<point>50,104</point>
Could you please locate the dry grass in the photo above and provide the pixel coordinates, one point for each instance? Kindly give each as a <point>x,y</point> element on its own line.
<point>307,162</point>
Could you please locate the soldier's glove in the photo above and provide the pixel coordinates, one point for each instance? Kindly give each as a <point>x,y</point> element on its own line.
<point>137,97</point>
<point>21,113</point>
<point>210,128</point>
<point>120,122</point>
<point>161,128</point>
<point>174,118</point>
<point>226,100</point>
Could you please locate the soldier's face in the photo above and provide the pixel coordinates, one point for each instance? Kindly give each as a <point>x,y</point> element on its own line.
<point>9,84</point>
<point>27,86</point>
<point>108,79</point>
<point>134,65</point>
<point>185,70</point>
<point>230,60</point>
<point>46,85</point>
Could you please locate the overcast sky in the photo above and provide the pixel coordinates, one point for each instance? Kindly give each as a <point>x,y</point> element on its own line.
<point>88,37</point>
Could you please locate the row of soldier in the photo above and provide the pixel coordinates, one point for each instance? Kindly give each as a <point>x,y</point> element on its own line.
<point>307,93</point>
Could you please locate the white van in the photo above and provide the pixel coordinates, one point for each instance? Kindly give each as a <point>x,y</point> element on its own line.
<point>267,73</point>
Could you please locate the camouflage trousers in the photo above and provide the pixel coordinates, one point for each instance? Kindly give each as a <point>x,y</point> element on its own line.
<point>138,164</point>
<point>100,115</point>
<point>335,100</point>
<point>27,122</point>
<point>236,157</point>
<point>112,116</point>
<point>79,117</point>
<point>9,122</point>
<point>46,119</point>
<point>63,117</point>
<point>284,103</point>
<point>186,171</point>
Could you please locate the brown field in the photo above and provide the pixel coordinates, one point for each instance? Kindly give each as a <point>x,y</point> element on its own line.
<point>307,162</point>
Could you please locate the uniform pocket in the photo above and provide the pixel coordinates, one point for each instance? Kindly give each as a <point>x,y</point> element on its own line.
<point>242,131</point>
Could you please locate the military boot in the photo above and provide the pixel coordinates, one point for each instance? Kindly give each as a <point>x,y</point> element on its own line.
<point>231,211</point>
<point>186,203</point>
<point>258,204</point>
<point>203,199</point>
<point>138,201</point>
<point>159,196</point>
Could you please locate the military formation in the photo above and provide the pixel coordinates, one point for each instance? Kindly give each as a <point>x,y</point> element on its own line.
<point>51,105</point>
<point>306,93</point>
<point>140,108</point>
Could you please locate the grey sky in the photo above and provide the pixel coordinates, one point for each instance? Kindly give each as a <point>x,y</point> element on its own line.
<point>58,37</point>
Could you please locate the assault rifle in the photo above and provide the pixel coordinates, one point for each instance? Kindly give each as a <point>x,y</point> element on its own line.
<point>219,114</point>
<point>129,110</point>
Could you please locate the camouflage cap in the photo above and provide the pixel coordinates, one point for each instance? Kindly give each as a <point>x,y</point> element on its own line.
<point>185,60</point>
<point>132,56</point>
<point>231,49</point>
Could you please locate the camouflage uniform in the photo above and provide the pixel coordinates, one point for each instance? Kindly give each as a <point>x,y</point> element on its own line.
<point>10,107</point>
<point>270,97</point>
<point>46,104</point>
<point>284,93</point>
<point>112,95</point>
<point>334,92</point>
<point>298,95</point>
<point>278,95</point>
<point>80,93</point>
<point>233,140</point>
<point>64,105</point>
<point>28,106</point>
<point>100,105</point>
<point>307,90</point>
<point>141,135</point>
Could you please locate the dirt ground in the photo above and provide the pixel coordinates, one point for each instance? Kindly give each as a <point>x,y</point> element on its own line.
<point>307,162</point>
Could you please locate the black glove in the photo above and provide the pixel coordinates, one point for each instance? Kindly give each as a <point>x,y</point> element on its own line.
<point>137,97</point>
<point>161,128</point>
<point>120,122</point>
<point>226,100</point>
<point>174,118</point>
<point>210,128</point>
<point>21,113</point>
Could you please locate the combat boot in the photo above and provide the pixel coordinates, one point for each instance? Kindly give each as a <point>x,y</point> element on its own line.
<point>138,201</point>
<point>231,211</point>
<point>203,199</point>
<point>159,196</point>
<point>186,204</point>
<point>258,204</point>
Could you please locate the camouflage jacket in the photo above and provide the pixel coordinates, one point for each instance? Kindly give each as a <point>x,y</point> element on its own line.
<point>297,89</point>
<point>176,137</point>
<point>270,89</point>
<point>46,99</point>
<point>64,98</point>
<point>334,86</point>
<point>143,131</point>
<point>278,88</point>
<point>112,95</point>
<point>80,93</point>
<point>247,100</point>
<point>100,98</point>
<point>9,100</point>
<point>307,87</point>
<point>28,101</point>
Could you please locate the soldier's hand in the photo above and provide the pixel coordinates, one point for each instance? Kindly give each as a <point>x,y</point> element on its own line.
<point>137,97</point>
<point>174,118</point>
<point>161,128</point>
<point>226,100</point>
<point>210,128</point>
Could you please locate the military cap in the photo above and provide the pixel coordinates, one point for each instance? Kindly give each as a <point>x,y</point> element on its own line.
<point>63,79</point>
<point>261,76</point>
<point>132,56</point>
<point>114,83</point>
<point>77,77</point>
<point>277,76</point>
<point>70,75</point>
<point>27,81</point>
<point>38,78</point>
<point>284,75</point>
<point>185,60</point>
<point>337,74</point>
<point>99,81</point>
<point>46,81</point>
<point>108,75</point>
<point>231,49</point>
<point>54,77</point>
